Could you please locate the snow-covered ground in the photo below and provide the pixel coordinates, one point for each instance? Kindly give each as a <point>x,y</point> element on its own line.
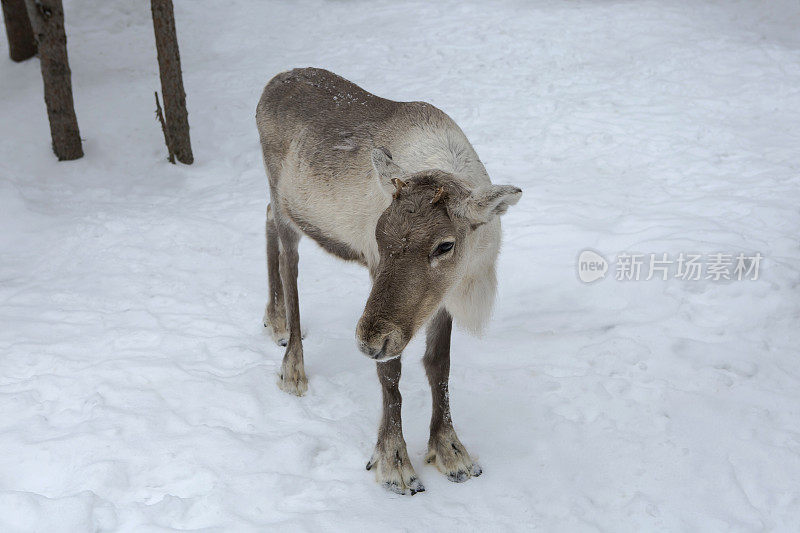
<point>137,386</point>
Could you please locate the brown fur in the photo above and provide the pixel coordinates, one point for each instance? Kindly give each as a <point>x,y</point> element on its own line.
<point>406,290</point>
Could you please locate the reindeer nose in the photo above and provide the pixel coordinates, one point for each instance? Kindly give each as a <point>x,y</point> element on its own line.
<point>378,339</point>
<point>373,351</point>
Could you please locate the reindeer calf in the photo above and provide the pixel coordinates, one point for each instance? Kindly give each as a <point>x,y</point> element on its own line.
<point>396,187</point>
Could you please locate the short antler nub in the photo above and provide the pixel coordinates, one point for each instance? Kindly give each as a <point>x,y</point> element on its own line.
<point>398,185</point>
<point>438,196</point>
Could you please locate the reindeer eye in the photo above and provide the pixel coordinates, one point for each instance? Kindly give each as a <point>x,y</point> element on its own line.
<point>443,248</point>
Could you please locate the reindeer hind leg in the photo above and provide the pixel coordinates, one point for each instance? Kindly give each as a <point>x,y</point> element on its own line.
<point>275,312</point>
<point>293,376</point>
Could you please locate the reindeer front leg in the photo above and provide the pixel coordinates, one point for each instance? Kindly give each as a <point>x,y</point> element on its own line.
<point>390,459</point>
<point>444,448</point>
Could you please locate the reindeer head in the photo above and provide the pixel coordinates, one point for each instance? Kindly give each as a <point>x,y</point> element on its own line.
<point>426,241</point>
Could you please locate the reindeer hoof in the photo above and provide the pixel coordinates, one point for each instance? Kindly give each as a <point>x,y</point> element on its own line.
<point>451,458</point>
<point>292,378</point>
<point>297,385</point>
<point>275,323</point>
<point>414,487</point>
<point>393,469</point>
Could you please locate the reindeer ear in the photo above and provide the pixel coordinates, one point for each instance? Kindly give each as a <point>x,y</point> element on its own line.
<point>487,201</point>
<point>386,169</point>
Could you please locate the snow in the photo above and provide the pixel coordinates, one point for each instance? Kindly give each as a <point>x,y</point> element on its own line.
<point>137,386</point>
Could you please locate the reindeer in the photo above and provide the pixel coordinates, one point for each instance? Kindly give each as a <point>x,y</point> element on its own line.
<point>396,187</point>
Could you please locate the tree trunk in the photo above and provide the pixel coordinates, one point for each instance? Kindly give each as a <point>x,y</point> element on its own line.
<point>47,18</point>
<point>21,44</point>
<point>169,65</point>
